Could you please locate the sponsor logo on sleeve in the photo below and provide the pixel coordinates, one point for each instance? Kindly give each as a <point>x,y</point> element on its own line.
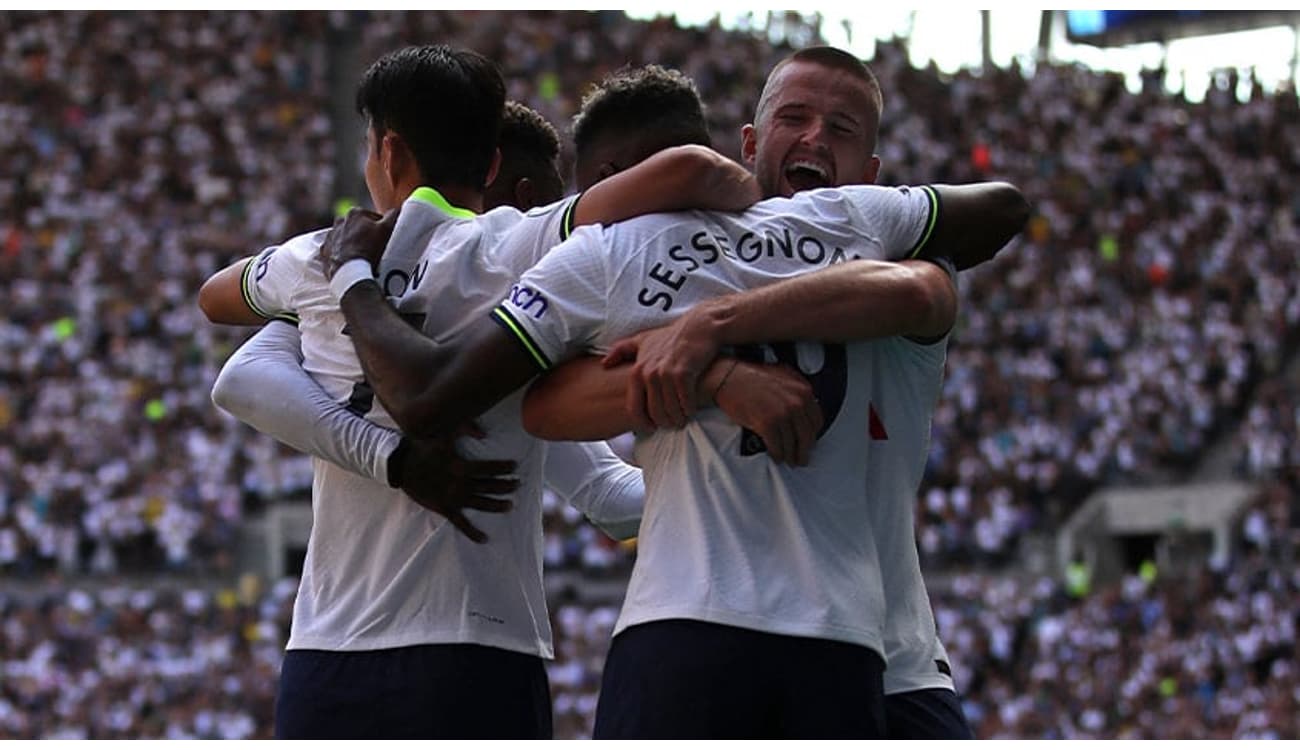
<point>528,300</point>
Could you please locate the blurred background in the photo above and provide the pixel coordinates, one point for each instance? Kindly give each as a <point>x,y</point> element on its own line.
<point>1112,505</point>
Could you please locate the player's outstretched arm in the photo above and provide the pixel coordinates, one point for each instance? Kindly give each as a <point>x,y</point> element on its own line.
<point>975,222</point>
<point>221,298</point>
<point>675,179</point>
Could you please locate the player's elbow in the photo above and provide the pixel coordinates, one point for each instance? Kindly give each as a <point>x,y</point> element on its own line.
<point>230,393</point>
<point>209,301</point>
<point>929,300</point>
<point>1002,214</point>
<point>1009,214</point>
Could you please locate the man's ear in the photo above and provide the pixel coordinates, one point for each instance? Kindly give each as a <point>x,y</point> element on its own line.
<point>396,158</point>
<point>873,171</point>
<point>524,193</point>
<point>748,143</point>
<point>496,167</point>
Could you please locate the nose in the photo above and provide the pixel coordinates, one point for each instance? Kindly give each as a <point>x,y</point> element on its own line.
<point>814,133</point>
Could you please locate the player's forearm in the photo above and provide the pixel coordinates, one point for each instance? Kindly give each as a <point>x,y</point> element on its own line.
<point>584,400</point>
<point>264,386</point>
<point>399,361</point>
<point>221,298</point>
<point>431,389</point>
<point>851,301</point>
<point>976,221</point>
<point>675,179</point>
<point>579,400</point>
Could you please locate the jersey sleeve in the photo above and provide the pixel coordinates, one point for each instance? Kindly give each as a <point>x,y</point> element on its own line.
<point>537,232</point>
<point>269,281</point>
<point>591,478</point>
<point>902,219</point>
<point>558,307</point>
<point>264,386</point>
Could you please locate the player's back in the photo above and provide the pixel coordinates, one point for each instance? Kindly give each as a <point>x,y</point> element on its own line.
<point>381,571</point>
<point>729,536</point>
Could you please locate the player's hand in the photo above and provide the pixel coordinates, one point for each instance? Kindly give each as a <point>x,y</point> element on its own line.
<point>436,477</point>
<point>362,234</point>
<point>663,387</point>
<point>778,404</point>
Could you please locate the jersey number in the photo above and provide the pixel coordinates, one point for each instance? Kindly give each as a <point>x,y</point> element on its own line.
<point>829,383</point>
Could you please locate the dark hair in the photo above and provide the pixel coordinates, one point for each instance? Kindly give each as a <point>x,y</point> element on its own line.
<point>445,103</point>
<point>529,148</point>
<point>650,100</point>
<point>830,57</point>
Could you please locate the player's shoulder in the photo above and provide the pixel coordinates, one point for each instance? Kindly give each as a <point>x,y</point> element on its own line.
<point>501,217</point>
<point>302,247</point>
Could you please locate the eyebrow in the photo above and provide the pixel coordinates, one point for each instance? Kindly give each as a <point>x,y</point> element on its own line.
<point>798,105</point>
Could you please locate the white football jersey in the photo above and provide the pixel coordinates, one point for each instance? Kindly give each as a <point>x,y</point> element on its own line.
<point>906,379</point>
<point>381,571</point>
<point>729,536</point>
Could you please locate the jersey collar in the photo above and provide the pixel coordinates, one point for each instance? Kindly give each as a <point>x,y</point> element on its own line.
<point>435,199</point>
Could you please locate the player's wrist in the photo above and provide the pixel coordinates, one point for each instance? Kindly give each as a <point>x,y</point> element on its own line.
<point>349,275</point>
<point>713,379</point>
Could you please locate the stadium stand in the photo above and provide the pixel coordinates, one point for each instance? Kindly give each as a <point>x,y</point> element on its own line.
<point>1145,319</point>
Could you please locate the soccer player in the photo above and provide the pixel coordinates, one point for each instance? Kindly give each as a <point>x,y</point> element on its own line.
<point>528,176</point>
<point>756,604</point>
<point>815,126</point>
<point>383,581</point>
<point>811,130</point>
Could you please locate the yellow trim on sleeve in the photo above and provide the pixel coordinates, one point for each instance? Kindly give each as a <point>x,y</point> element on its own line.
<point>246,287</point>
<point>930,225</point>
<point>507,321</point>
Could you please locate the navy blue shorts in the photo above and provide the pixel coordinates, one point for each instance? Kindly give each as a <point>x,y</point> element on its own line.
<point>453,691</point>
<point>685,679</point>
<point>933,714</point>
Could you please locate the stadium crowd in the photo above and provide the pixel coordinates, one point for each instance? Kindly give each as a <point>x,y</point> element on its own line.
<point>1120,337</point>
<point>127,184</point>
<point>1210,655</point>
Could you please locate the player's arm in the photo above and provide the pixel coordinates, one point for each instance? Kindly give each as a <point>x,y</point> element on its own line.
<point>974,222</point>
<point>221,298</point>
<point>429,388</point>
<point>856,300</point>
<point>264,386</point>
<point>675,179</point>
<point>861,299</point>
<point>584,400</point>
<point>591,478</point>
<point>255,290</point>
